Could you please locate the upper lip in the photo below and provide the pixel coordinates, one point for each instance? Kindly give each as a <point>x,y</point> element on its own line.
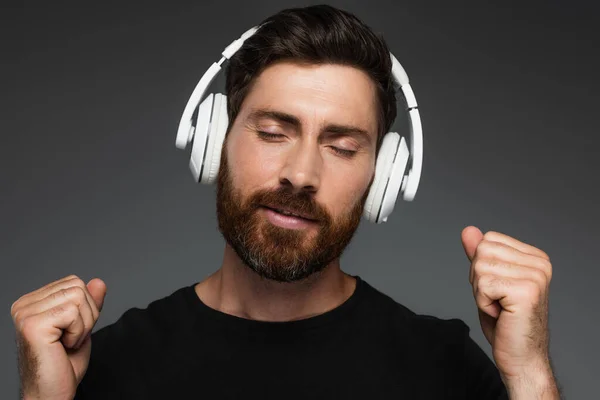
<point>290,210</point>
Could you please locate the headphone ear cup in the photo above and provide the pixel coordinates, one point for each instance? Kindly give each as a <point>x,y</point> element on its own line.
<point>200,136</point>
<point>218,127</point>
<point>395,183</point>
<point>383,170</point>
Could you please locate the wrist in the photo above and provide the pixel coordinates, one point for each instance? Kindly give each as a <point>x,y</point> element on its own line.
<point>24,396</point>
<point>533,384</point>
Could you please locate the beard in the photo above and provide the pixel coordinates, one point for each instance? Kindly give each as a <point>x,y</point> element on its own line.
<point>273,252</point>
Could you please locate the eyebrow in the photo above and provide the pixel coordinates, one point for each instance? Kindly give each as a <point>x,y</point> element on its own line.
<point>290,119</point>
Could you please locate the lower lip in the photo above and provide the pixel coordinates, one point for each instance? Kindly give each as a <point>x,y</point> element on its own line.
<point>287,221</point>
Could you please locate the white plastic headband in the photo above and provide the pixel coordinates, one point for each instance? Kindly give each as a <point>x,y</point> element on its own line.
<point>185,132</point>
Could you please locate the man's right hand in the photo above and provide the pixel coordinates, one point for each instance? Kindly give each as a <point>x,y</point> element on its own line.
<point>53,326</point>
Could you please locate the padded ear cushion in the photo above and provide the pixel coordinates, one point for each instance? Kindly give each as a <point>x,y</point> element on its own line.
<point>383,169</point>
<point>218,128</point>
<point>200,136</point>
<point>392,189</point>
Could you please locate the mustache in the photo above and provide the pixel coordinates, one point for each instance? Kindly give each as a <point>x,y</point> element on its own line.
<point>282,198</point>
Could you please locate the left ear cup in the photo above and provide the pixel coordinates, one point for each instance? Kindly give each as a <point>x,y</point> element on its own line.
<point>383,170</point>
<point>218,127</point>
<point>396,181</point>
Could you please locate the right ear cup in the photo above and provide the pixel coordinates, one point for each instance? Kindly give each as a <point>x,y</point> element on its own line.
<point>383,170</point>
<point>218,129</point>
<point>200,136</point>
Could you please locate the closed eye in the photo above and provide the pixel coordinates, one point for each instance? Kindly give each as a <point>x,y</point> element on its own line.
<point>343,152</point>
<point>267,135</point>
<point>270,136</point>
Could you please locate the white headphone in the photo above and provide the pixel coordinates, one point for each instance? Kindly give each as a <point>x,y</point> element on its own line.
<point>392,160</point>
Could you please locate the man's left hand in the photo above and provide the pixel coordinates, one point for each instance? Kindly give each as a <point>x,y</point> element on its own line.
<point>510,281</point>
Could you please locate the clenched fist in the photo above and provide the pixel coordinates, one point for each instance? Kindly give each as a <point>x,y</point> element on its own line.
<point>53,326</point>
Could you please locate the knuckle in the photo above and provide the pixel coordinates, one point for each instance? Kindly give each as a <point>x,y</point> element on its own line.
<point>78,293</point>
<point>77,281</point>
<point>547,265</point>
<point>490,235</point>
<point>13,308</point>
<point>544,255</point>
<point>485,248</point>
<point>18,320</point>
<point>480,262</point>
<point>492,263</point>
<point>477,259</point>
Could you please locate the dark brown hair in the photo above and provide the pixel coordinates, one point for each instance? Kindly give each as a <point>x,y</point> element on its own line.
<point>316,35</point>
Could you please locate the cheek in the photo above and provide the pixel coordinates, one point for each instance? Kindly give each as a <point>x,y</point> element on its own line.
<point>342,189</point>
<point>251,166</point>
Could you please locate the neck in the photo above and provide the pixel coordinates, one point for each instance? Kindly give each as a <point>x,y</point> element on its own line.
<point>237,290</point>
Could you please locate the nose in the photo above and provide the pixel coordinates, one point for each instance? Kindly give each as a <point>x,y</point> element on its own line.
<point>302,168</point>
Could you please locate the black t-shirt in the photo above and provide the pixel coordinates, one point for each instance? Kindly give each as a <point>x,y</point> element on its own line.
<point>369,347</point>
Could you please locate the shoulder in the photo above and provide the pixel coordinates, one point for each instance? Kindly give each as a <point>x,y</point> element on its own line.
<point>162,314</point>
<point>120,349</point>
<point>444,344</point>
<point>416,335</point>
<point>422,325</point>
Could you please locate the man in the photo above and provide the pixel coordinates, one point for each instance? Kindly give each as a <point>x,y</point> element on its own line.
<point>309,98</point>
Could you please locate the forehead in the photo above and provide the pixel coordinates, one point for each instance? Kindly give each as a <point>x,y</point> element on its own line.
<point>317,94</point>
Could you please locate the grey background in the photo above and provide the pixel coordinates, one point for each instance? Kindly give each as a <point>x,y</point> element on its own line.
<point>92,183</point>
